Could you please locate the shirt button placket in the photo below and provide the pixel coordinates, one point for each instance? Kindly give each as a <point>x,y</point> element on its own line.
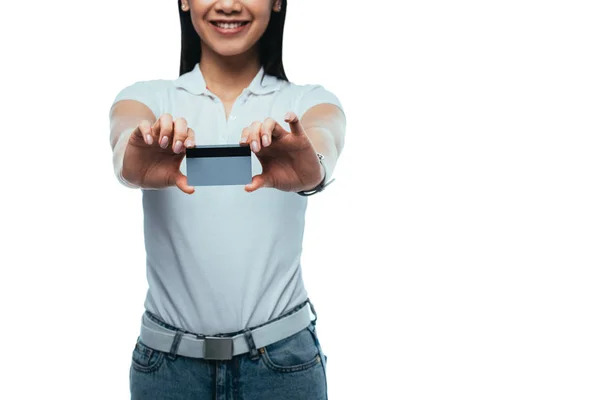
<point>231,132</point>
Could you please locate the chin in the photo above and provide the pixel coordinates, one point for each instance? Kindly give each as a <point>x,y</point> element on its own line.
<point>231,51</point>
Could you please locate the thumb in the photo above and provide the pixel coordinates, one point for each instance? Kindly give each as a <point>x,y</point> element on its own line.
<point>295,126</point>
<point>182,183</point>
<point>258,181</point>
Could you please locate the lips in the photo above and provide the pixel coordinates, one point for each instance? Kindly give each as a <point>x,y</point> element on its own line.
<point>229,27</point>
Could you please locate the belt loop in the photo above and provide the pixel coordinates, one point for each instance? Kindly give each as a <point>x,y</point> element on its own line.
<point>253,351</point>
<point>312,309</point>
<point>175,345</point>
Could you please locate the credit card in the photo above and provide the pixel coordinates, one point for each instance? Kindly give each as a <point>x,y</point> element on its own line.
<point>219,165</point>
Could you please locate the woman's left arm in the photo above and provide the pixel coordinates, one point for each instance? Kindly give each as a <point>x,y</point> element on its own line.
<point>325,125</point>
<point>289,157</point>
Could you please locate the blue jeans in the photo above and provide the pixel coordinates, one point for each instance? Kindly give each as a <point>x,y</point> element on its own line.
<point>293,368</point>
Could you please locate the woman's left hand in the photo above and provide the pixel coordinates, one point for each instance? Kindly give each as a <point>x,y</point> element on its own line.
<point>289,160</point>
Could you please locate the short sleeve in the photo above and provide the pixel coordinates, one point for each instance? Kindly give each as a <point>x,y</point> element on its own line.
<point>313,95</point>
<point>146,92</point>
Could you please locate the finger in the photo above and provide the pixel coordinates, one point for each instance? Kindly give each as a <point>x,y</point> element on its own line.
<point>182,183</point>
<point>295,126</point>
<point>258,181</point>
<point>266,130</point>
<point>191,138</point>
<point>245,135</point>
<point>143,131</point>
<point>164,131</point>
<point>180,132</point>
<point>254,136</point>
<point>155,131</point>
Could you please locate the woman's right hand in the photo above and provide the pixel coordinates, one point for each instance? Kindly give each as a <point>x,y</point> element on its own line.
<point>154,153</point>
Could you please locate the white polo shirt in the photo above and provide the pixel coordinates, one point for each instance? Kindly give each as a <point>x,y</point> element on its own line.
<point>221,259</point>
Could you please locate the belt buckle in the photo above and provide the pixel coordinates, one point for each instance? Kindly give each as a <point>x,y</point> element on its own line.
<point>218,348</point>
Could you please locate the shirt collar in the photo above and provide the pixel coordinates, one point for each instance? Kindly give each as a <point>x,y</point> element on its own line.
<point>194,82</point>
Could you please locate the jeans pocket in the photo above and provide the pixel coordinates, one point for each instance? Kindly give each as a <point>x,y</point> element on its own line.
<point>298,352</point>
<point>146,359</point>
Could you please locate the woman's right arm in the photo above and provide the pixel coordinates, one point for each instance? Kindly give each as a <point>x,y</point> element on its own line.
<point>126,116</point>
<point>147,152</point>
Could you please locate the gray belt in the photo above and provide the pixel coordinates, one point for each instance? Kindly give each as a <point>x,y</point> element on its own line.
<point>160,338</point>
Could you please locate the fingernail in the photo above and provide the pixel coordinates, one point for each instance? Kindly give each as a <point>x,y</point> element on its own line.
<point>188,143</point>
<point>265,140</point>
<point>254,146</point>
<point>288,116</point>
<point>149,139</point>
<point>164,142</point>
<point>244,140</point>
<point>178,147</point>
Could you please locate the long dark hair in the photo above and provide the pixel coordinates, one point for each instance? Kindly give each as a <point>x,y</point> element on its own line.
<point>270,44</point>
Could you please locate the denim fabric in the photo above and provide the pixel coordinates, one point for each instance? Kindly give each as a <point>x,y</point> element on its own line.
<point>291,369</point>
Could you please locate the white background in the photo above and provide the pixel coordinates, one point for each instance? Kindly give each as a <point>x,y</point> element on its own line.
<point>455,257</point>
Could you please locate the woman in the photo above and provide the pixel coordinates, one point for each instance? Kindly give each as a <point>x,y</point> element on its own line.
<point>227,315</point>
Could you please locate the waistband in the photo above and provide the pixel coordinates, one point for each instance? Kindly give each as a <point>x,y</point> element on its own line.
<point>160,336</point>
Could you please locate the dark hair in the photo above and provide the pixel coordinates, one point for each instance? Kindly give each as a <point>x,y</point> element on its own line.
<point>270,44</point>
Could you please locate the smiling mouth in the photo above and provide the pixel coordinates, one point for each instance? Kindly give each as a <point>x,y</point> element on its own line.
<point>229,25</point>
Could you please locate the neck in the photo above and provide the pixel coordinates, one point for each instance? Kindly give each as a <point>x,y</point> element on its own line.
<point>228,76</point>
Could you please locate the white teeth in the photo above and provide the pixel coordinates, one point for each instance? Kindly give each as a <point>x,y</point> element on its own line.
<point>229,25</point>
